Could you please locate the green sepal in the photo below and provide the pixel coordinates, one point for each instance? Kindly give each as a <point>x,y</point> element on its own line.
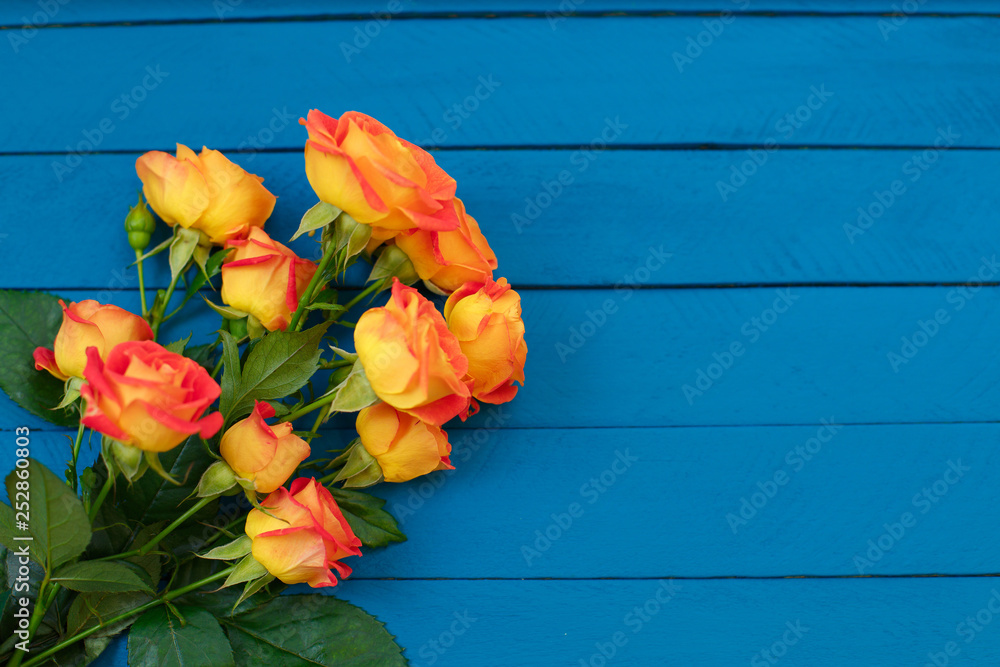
<point>217,480</point>
<point>182,249</point>
<point>153,459</point>
<point>226,311</point>
<point>247,569</point>
<point>238,548</point>
<point>360,470</point>
<point>392,261</point>
<point>320,215</point>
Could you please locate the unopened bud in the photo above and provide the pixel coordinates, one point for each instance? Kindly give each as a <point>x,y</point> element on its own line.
<point>140,225</point>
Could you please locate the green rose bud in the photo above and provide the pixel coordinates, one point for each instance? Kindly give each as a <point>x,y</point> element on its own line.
<point>140,225</point>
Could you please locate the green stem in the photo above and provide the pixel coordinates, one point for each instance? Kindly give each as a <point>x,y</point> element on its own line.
<point>374,287</point>
<point>218,366</point>
<point>306,297</point>
<point>336,364</point>
<point>149,546</point>
<point>158,316</point>
<point>306,409</point>
<point>166,597</point>
<point>96,505</point>
<point>76,454</point>
<point>41,606</point>
<point>142,280</point>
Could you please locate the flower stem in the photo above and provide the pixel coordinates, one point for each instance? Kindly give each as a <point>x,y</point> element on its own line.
<point>158,317</point>
<point>166,597</point>
<point>307,296</point>
<point>74,481</point>
<point>306,409</point>
<point>142,280</point>
<point>41,606</point>
<point>374,287</point>
<point>96,505</point>
<point>149,546</point>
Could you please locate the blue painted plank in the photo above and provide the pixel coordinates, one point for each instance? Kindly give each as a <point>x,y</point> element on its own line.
<point>640,357</point>
<point>798,214</point>
<point>876,622</point>
<point>686,502</point>
<point>36,13</point>
<point>864,89</point>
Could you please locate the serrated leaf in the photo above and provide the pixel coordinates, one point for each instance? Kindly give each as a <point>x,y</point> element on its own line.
<point>159,640</point>
<point>354,393</point>
<point>212,268</point>
<point>101,577</point>
<point>320,215</point>
<point>281,363</point>
<point>311,630</point>
<point>373,525</point>
<point>151,498</point>
<point>90,609</point>
<point>29,320</point>
<point>57,520</point>
<point>177,347</point>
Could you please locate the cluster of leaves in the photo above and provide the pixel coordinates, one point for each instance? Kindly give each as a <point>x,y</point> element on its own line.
<point>83,563</point>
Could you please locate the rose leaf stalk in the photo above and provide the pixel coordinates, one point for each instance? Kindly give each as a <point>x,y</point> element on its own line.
<point>306,298</point>
<point>158,315</point>
<point>164,599</point>
<point>74,477</point>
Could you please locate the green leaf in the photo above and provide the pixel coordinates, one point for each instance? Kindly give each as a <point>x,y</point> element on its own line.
<point>204,355</point>
<point>320,215</point>
<point>56,521</point>
<point>29,320</point>
<point>177,347</point>
<point>90,609</point>
<point>311,630</point>
<point>354,393</point>
<point>373,525</point>
<point>332,308</point>
<point>160,640</point>
<point>212,268</point>
<point>150,563</point>
<point>151,498</point>
<point>281,363</point>
<point>182,250</point>
<point>101,577</point>
<point>232,375</point>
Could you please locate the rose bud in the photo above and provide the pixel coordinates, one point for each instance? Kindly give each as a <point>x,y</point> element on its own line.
<point>148,397</point>
<point>404,446</point>
<point>264,278</point>
<point>205,192</point>
<point>358,165</point>
<point>447,260</point>
<point>263,455</point>
<point>88,324</point>
<point>486,319</point>
<point>412,361</point>
<point>303,536</point>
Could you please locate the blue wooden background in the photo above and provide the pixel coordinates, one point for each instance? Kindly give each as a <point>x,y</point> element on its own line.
<point>790,207</point>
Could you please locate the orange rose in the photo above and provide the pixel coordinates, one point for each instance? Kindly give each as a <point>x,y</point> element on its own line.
<point>206,192</point>
<point>412,361</point>
<point>357,164</point>
<point>265,279</point>
<point>446,260</point>
<point>303,535</point>
<point>404,446</point>
<point>486,319</point>
<point>88,324</point>
<point>262,454</point>
<point>148,397</point>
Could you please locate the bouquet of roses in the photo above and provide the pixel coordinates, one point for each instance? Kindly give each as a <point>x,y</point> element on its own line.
<point>207,496</point>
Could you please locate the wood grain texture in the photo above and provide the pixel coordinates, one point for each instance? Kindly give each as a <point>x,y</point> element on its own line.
<point>686,502</point>
<point>796,220</point>
<point>811,361</point>
<point>928,76</point>
<point>870,622</point>
<point>25,12</point>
